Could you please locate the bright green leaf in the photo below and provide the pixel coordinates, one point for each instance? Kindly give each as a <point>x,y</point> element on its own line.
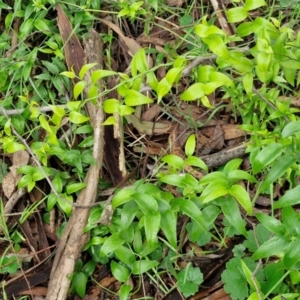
<point>194,91</point>
<point>232,213</point>
<point>139,62</point>
<point>174,161</point>
<point>78,118</point>
<point>280,166</point>
<point>109,121</point>
<point>124,291</point>
<point>98,74</point>
<point>290,129</point>
<point>291,197</point>
<point>196,162</point>
<point>254,4</point>
<point>236,14</point>
<point>273,246</point>
<point>152,225</point>
<point>68,74</point>
<point>142,266</point>
<point>168,225</point>
<point>78,88</point>
<point>120,272</point>
<point>80,280</point>
<point>75,187</point>
<point>190,145</point>
<point>85,68</point>
<point>266,156</point>
<point>242,196</point>
<point>292,255</point>
<point>110,106</point>
<point>134,98</point>
<point>112,243</point>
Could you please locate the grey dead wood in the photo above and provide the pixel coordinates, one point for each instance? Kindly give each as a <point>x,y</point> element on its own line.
<point>73,239</point>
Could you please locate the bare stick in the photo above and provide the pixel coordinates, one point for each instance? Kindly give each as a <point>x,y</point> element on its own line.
<point>73,239</point>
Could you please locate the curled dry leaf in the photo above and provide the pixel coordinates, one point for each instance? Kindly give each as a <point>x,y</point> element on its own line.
<point>177,3</point>
<point>10,181</point>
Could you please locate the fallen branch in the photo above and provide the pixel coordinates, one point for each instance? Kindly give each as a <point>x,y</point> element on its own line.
<point>223,157</point>
<point>73,239</point>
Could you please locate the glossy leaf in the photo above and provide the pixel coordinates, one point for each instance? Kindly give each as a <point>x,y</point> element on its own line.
<point>290,129</point>
<point>275,245</point>
<point>292,255</point>
<point>124,291</point>
<point>134,98</point>
<point>232,165</point>
<point>112,243</point>
<point>248,83</point>
<point>266,156</point>
<point>196,162</point>
<point>291,197</point>
<point>190,145</point>
<point>216,45</point>
<point>75,187</point>
<point>145,202</point>
<point>109,121</point>
<point>85,68</point>
<point>254,4</point>
<point>125,255</point>
<point>237,175</point>
<point>142,266</point>
<point>89,268</point>
<point>77,118</point>
<point>252,281</point>
<point>173,179</point>
<point>237,14</point>
<point>79,281</point>
<point>120,272</point>
<point>65,206</point>
<point>139,62</point>
<point>152,224</point>
<point>233,215</point>
<point>194,91</point>
<point>78,89</point>
<point>207,179</point>
<point>163,88</point>
<point>129,211</point>
<point>189,208</point>
<point>68,74</point>
<point>122,196</point>
<point>272,224</point>
<point>168,225</point>
<point>173,75</point>
<point>174,161</point>
<point>111,106</point>
<point>242,196</point>
<point>279,167</point>
<point>124,110</point>
<point>291,221</point>
<point>98,74</point>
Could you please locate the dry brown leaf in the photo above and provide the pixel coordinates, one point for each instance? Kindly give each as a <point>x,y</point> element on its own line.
<point>177,3</point>
<point>10,181</point>
<point>20,158</point>
<point>132,45</point>
<point>215,142</point>
<point>73,49</point>
<point>151,113</point>
<point>231,131</point>
<point>149,128</point>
